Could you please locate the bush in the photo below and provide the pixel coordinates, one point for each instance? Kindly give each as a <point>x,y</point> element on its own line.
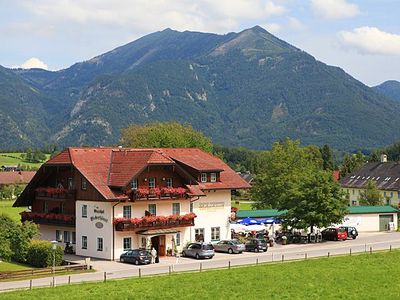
<point>40,254</point>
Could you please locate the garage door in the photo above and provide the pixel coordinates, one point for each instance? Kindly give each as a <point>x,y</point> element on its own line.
<point>384,222</point>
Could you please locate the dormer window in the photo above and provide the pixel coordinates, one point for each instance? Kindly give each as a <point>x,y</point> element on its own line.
<point>203,177</point>
<point>134,184</point>
<point>213,177</point>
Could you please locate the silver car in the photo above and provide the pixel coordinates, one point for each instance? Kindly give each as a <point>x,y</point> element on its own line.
<point>230,246</point>
<point>199,250</point>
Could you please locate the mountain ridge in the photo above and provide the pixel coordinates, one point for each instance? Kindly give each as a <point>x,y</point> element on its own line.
<point>242,89</point>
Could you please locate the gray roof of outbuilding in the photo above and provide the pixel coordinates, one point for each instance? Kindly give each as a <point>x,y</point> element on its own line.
<point>385,174</point>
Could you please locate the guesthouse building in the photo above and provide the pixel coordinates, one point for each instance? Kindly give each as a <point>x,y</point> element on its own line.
<point>106,200</point>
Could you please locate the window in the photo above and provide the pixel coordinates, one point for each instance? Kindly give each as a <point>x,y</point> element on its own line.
<point>84,242</point>
<point>127,243</point>
<point>391,194</point>
<point>191,205</point>
<point>176,208</point>
<point>203,177</point>
<point>153,209</point>
<point>127,212</point>
<point>58,236</point>
<point>387,201</point>
<point>45,207</point>
<point>152,183</point>
<point>169,182</point>
<point>134,184</point>
<point>213,177</point>
<point>178,239</point>
<point>353,202</point>
<point>73,237</point>
<point>70,184</point>
<point>384,194</point>
<point>67,237</point>
<point>215,233</point>
<point>199,234</point>
<point>84,184</point>
<point>62,207</point>
<point>84,211</point>
<point>99,244</point>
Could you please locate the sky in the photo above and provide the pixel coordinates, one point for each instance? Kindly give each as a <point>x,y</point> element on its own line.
<point>360,36</point>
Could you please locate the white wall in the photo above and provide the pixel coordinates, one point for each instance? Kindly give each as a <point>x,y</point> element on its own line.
<point>213,210</point>
<point>366,222</point>
<point>48,232</point>
<point>100,214</point>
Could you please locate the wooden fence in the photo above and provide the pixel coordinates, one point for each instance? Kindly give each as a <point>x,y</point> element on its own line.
<point>41,271</point>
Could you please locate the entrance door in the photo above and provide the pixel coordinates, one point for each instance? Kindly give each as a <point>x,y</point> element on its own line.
<point>158,242</point>
<point>384,221</point>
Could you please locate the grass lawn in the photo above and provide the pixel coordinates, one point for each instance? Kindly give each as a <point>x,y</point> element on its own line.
<point>242,205</point>
<point>11,266</point>
<point>15,159</point>
<point>352,277</point>
<point>13,212</point>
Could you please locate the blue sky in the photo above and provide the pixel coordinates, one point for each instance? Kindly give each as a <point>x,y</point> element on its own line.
<point>360,36</point>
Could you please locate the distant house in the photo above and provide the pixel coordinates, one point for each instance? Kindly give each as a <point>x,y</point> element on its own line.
<point>11,177</point>
<point>385,173</point>
<point>9,168</point>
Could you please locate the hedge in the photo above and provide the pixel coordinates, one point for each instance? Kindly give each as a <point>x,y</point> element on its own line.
<point>40,254</point>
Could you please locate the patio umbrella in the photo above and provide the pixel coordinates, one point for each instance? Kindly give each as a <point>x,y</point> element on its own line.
<point>238,227</point>
<point>249,221</point>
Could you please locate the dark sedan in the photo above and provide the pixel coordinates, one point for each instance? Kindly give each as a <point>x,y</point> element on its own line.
<point>136,256</point>
<point>256,245</point>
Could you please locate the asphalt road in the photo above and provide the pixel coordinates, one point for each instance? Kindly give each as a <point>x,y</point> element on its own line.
<point>112,270</point>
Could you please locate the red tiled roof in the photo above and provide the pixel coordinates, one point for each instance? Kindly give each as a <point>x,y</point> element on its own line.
<point>105,168</point>
<point>336,175</point>
<point>63,158</point>
<point>126,164</point>
<point>22,177</point>
<point>203,161</point>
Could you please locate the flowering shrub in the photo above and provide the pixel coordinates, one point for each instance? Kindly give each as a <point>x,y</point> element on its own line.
<point>145,192</point>
<point>30,216</point>
<point>51,190</point>
<point>150,220</point>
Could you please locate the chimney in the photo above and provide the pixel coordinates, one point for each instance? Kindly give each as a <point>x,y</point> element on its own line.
<point>383,158</point>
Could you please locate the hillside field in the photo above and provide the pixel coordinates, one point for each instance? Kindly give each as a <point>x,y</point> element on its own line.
<point>365,276</point>
<point>16,158</point>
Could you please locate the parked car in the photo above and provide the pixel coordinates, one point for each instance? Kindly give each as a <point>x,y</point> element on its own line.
<point>351,231</point>
<point>256,245</point>
<point>230,246</point>
<point>136,256</point>
<point>334,234</point>
<point>199,250</point>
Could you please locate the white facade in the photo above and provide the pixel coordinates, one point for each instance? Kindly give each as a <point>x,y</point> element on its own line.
<point>213,212</point>
<point>367,222</point>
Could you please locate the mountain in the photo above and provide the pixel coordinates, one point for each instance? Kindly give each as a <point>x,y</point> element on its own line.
<point>390,88</point>
<point>242,89</point>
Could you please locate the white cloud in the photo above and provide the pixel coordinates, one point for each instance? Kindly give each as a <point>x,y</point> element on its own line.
<point>144,16</point>
<point>334,9</point>
<point>34,62</point>
<point>296,24</point>
<point>272,27</point>
<point>371,40</point>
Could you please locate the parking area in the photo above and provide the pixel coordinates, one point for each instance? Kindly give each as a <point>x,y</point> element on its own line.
<point>364,242</point>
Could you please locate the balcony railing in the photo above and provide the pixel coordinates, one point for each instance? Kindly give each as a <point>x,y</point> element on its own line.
<point>49,193</point>
<point>154,222</point>
<point>158,193</point>
<point>48,218</point>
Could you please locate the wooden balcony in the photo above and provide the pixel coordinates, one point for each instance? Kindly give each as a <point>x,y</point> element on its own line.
<point>48,218</point>
<point>54,194</point>
<point>158,193</point>
<point>154,222</point>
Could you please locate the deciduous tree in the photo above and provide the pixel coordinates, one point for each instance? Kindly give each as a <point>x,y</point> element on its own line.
<point>371,195</point>
<point>165,135</point>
